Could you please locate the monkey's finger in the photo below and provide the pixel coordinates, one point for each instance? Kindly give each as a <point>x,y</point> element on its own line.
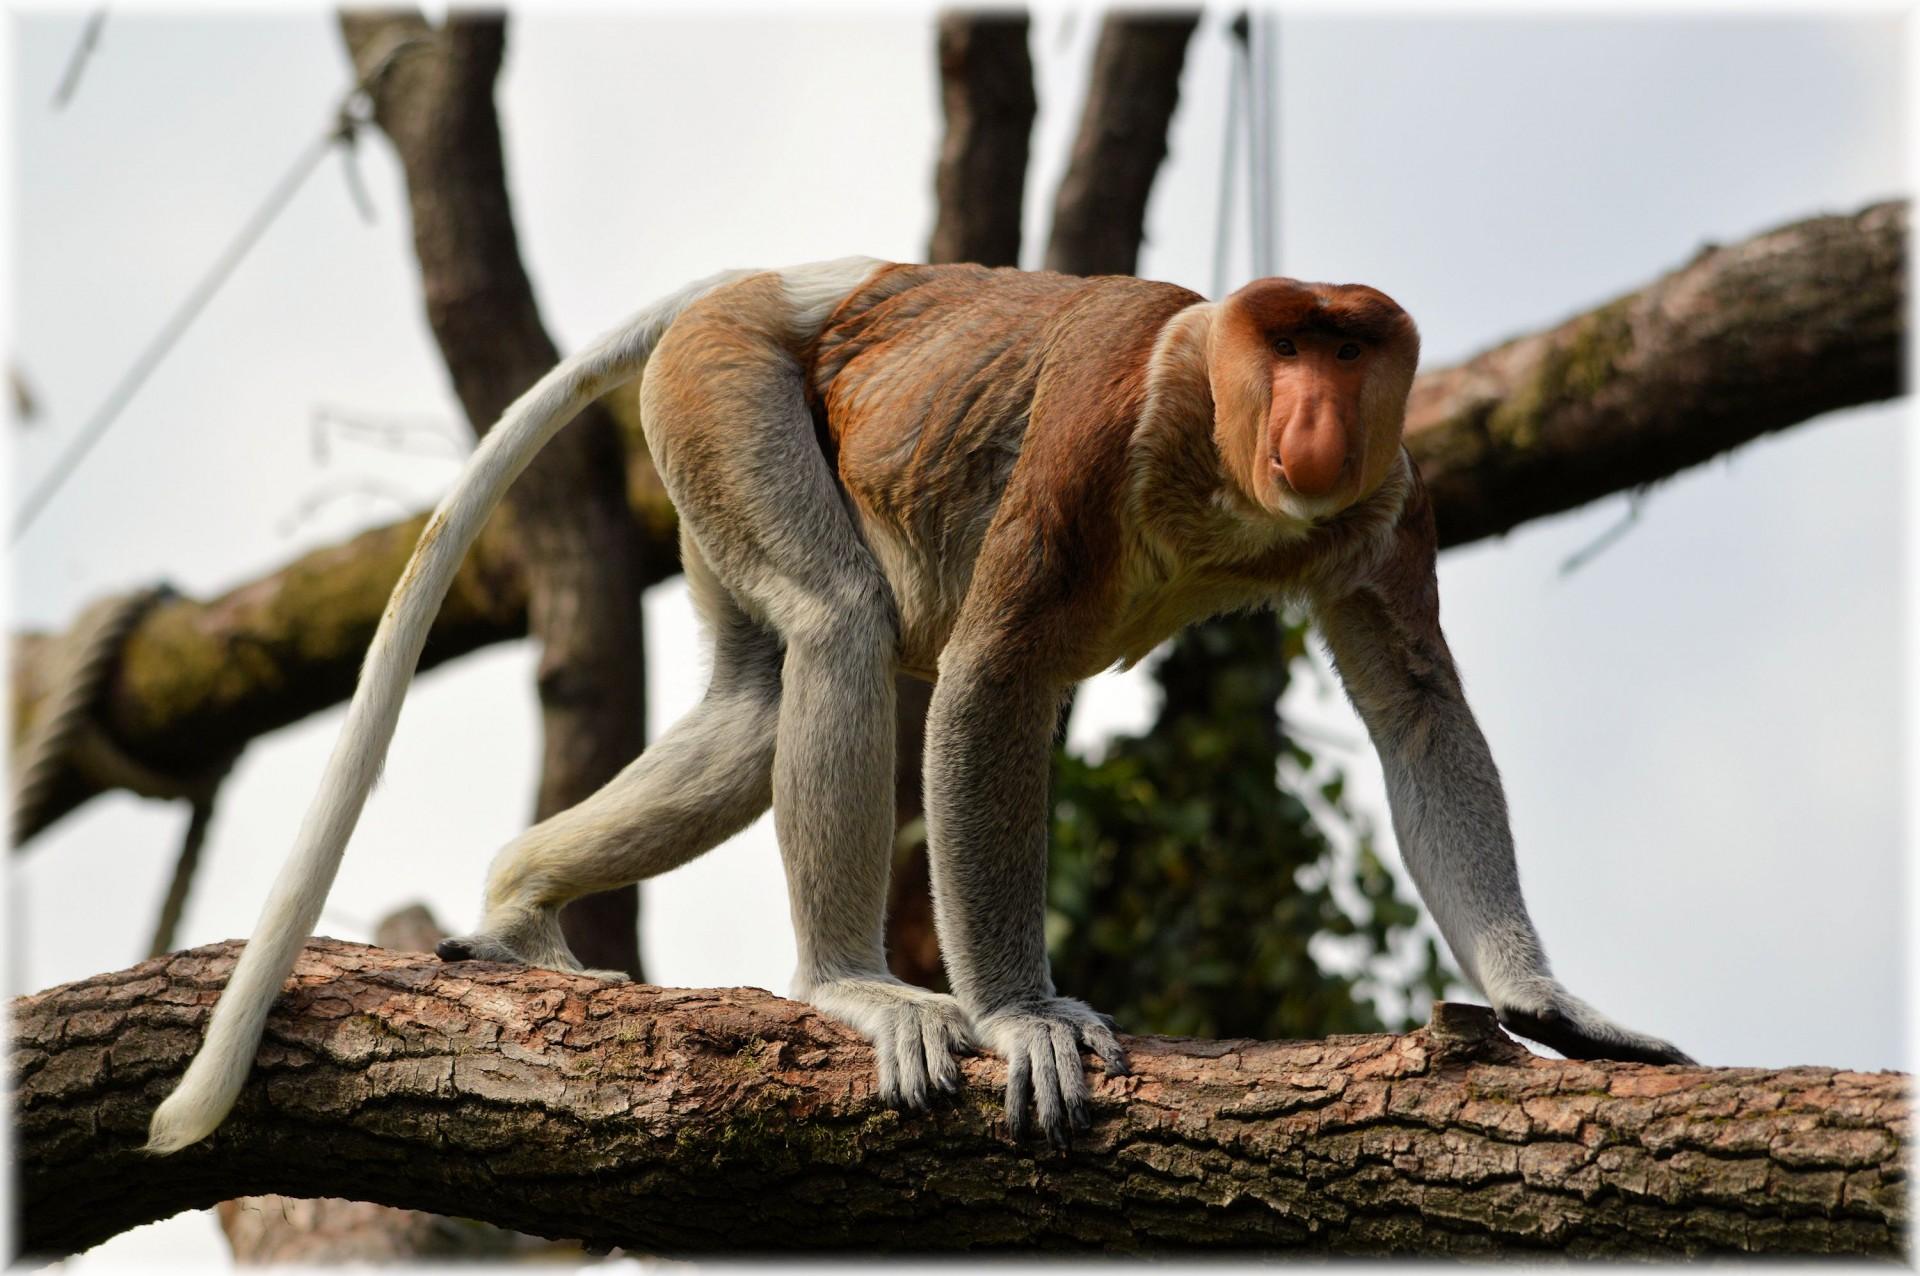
<point>1102,1042</point>
<point>887,1067</point>
<point>1075,1098</point>
<point>1049,1105</point>
<point>937,1039</point>
<point>1019,1092</point>
<point>1597,1038</point>
<point>910,1062</point>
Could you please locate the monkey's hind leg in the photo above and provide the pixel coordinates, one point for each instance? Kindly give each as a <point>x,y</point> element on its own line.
<point>729,426</point>
<point>833,810</point>
<point>707,778</point>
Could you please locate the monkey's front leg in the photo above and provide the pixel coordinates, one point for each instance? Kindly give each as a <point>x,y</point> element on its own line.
<point>1450,813</point>
<point>989,738</point>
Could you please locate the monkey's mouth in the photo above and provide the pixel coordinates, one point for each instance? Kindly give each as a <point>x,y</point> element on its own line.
<point>1284,500</point>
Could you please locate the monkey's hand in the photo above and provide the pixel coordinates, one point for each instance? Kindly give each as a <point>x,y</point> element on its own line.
<point>1041,1044</point>
<point>1555,1017</point>
<point>915,1034</point>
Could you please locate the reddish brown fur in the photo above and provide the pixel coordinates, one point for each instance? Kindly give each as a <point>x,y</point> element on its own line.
<point>982,419</point>
<point>989,428</point>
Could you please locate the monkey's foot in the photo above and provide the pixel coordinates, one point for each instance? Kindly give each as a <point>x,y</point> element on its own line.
<point>915,1034</point>
<point>1578,1031</point>
<point>533,940</point>
<point>1041,1044</point>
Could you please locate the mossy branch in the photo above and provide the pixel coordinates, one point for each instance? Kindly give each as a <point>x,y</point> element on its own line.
<point>1741,341</point>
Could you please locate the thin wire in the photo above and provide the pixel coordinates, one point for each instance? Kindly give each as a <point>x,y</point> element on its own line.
<point>1259,132</point>
<point>1270,162</point>
<point>131,381</point>
<point>70,78</point>
<point>1229,157</point>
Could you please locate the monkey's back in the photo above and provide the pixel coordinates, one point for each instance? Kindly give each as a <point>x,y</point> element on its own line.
<point>923,382</point>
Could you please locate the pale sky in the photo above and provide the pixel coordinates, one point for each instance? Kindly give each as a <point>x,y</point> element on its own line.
<point>1701,730</point>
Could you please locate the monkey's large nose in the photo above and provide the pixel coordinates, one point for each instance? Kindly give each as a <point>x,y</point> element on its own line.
<point>1312,454</point>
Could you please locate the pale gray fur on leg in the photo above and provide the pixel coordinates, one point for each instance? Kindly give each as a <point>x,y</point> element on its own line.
<point>1450,817</point>
<point>986,769</point>
<point>833,810</point>
<point>753,488</point>
<point>704,780</point>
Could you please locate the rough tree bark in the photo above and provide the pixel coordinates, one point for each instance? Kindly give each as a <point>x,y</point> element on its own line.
<point>199,679</point>
<point>674,1121</point>
<point>278,1230</point>
<point>1100,210</point>
<point>1802,317</point>
<point>432,94</point>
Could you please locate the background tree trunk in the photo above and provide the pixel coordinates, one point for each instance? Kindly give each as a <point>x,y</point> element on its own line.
<point>1100,210</point>
<point>197,680</point>
<point>674,1121</point>
<point>986,93</point>
<point>434,100</point>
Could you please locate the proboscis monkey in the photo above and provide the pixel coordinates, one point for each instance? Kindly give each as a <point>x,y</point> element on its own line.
<point>1004,482</point>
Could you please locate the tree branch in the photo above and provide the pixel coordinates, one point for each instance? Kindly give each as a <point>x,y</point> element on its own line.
<point>280,1230</point>
<point>675,1121</point>
<point>1739,342</point>
<point>1800,321</point>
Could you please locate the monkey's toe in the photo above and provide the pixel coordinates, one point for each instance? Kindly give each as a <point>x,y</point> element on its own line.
<point>1584,1034</point>
<point>483,946</point>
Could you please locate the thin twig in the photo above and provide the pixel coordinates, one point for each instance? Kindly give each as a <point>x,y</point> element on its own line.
<point>1636,500</point>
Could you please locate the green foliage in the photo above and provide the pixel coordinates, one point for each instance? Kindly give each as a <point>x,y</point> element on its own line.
<point>1186,884</point>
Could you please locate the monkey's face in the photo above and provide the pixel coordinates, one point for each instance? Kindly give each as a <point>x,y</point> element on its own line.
<point>1310,389</point>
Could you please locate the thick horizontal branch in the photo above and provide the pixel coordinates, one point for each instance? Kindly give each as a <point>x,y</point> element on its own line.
<point>1739,342</point>
<point>1743,340</point>
<point>198,680</point>
<point>672,1121</point>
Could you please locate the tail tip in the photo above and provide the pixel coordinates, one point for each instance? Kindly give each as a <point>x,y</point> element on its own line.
<point>176,1125</point>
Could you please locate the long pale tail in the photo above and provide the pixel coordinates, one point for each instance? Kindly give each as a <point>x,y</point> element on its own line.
<point>213,1080</point>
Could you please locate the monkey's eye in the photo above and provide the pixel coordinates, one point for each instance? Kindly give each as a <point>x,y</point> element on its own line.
<point>1350,351</point>
<point>1283,346</point>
